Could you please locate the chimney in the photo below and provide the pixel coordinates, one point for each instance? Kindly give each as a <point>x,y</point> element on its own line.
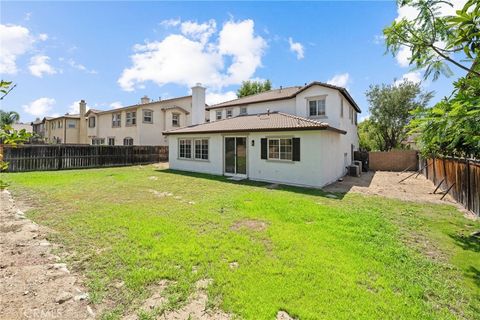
<point>83,122</point>
<point>198,104</point>
<point>145,99</point>
<point>83,107</point>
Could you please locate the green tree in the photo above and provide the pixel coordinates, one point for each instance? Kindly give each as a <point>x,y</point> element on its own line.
<point>8,118</point>
<point>452,126</point>
<point>390,110</point>
<point>369,139</point>
<point>436,40</point>
<point>249,88</point>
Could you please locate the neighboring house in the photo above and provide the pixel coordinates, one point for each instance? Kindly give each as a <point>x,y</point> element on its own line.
<point>139,124</point>
<point>299,135</point>
<point>63,129</point>
<point>21,126</point>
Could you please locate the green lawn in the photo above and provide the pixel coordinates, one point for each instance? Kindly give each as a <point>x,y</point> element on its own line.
<point>355,257</point>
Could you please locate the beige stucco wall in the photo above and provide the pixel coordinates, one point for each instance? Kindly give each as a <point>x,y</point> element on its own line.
<point>66,134</point>
<point>142,133</point>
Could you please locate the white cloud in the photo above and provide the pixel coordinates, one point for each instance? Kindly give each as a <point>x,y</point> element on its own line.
<point>39,107</point>
<point>81,67</point>
<point>403,56</point>
<point>192,56</point>
<point>39,66</point>
<point>217,97</point>
<point>15,41</point>
<point>414,76</point>
<point>378,39</point>
<point>198,31</point>
<point>297,48</point>
<point>170,22</point>
<point>43,36</point>
<point>340,80</point>
<point>116,105</point>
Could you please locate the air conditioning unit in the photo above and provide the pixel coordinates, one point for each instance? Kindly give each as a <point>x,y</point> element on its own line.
<point>359,164</point>
<point>354,171</point>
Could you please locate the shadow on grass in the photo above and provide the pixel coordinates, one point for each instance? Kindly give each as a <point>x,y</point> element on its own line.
<point>467,242</point>
<point>247,182</point>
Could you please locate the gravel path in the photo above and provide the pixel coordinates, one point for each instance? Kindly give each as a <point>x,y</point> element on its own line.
<point>34,284</point>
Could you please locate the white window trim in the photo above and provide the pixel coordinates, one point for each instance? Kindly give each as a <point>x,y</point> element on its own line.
<point>316,98</point>
<point>231,113</point>
<point>217,113</point>
<point>191,148</point>
<point>108,141</point>
<point>129,138</point>
<point>133,116</point>
<point>243,113</point>
<point>151,116</point>
<point>178,119</point>
<point>94,121</point>
<point>114,119</point>
<point>195,149</point>
<point>279,159</point>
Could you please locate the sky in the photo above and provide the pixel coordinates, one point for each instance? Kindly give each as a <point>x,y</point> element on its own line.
<point>112,53</point>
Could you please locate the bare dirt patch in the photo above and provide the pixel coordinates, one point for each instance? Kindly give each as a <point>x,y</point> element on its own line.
<point>195,308</point>
<point>384,183</point>
<point>33,282</point>
<point>250,224</point>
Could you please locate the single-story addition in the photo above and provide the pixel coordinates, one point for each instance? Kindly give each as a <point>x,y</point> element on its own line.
<point>274,147</point>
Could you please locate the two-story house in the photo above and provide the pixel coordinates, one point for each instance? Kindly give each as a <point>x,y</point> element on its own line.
<point>62,129</point>
<point>138,124</point>
<point>302,136</point>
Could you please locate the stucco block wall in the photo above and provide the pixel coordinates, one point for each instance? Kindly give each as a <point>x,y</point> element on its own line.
<point>397,160</point>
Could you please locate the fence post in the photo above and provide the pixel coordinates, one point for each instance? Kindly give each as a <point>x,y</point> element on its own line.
<point>59,158</point>
<point>468,184</point>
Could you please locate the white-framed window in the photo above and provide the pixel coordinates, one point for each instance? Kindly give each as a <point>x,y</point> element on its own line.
<point>280,149</point>
<point>98,141</point>
<point>316,107</point>
<point>243,110</point>
<point>185,149</point>
<point>52,126</point>
<point>218,114</point>
<point>176,119</point>
<point>116,120</point>
<point>341,107</point>
<point>131,118</point>
<point>111,141</point>
<point>201,149</point>
<point>60,124</point>
<point>128,141</point>
<point>350,114</point>
<point>91,122</point>
<point>147,116</point>
<point>71,124</point>
<point>229,113</point>
<point>356,118</point>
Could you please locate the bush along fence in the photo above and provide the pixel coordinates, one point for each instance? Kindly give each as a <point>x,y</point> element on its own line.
<point>458,177</point>
<point>61,157</point>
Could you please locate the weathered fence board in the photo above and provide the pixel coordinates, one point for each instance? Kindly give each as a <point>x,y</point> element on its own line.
<point>463,174</point>
<point>60,157</point>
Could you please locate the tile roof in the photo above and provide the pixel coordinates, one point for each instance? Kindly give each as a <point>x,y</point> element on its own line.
<point>281,94</point>
<point>273,121</point>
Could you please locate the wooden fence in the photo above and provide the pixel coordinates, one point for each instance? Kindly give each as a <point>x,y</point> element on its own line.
<point>61,157</point>
<point>459,177</point>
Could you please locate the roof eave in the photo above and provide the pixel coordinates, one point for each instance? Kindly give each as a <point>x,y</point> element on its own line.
<point>179,132</point>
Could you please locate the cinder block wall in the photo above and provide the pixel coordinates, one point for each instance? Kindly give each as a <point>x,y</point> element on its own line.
<point>397,160</point>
